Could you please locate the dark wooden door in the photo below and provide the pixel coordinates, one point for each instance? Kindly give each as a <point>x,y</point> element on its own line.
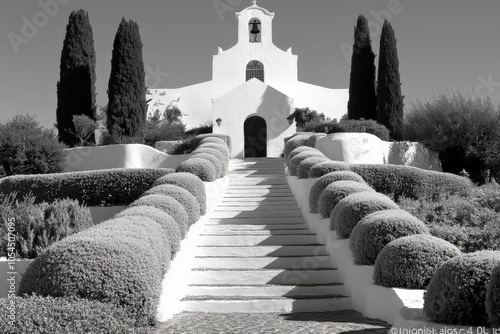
<point>255,129</point>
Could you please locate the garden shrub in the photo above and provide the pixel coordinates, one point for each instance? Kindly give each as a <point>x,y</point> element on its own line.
<point>350,210</point>
<point>168,205</point>
<point>218,154</point>
<point>324,181</point>
<point>410,262</point>
<point>213,140</point>
<point>191,183</point>
<point>219,169</point>
<point>226,138</point>
<point>359,126</point>
<point>313,138</point>
<point>335,192</point>
<point>299,150</point>
<point>376,230</point>
<point>184,197</point>
<point>205,128</point>
<point>170,227</point>
<point>297,159</point>
<point>294,142</point>
<point>199,167</point>
<point>493,298</point>
<point>456,294</point>
<point>36,314</point>
<point>123,272</point>
<point>222,148</point>
<point>186,146</point>
<point>107,187</point>
<point>326,167</point>
<point>305,166</point>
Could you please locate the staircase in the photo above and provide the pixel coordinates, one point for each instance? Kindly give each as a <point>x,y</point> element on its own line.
<point>256,254</point>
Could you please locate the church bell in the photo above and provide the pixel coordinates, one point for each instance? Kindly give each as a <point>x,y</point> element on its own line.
<point>255,29</point>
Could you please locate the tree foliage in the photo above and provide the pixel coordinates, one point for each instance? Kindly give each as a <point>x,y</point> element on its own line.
<point>362,99</point>
<point>76,86</point>
<point>304,116</point>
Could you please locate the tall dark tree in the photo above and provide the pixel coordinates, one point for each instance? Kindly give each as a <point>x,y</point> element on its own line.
<point>390,101</point>
<point>76,86</point>
<point>127,107</point>
<point>362,99</point>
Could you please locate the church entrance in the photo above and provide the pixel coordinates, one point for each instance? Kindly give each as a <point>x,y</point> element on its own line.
<point>255,131</point>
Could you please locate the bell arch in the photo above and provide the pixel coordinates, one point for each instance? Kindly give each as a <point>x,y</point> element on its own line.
<point>254,30</point>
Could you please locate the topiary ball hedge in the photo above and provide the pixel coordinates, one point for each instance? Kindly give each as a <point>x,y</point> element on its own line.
<point>350,210</point>
<point>219,168</point>
<point>299,150</point>
<point>327,167</point>
<point>372,233</point>
<point>226,138</point>
<point>456,293</point>
<point>324,181</point>
<point>170,226</point>
<point>213,140</point>
<point>222,148</point>
<point>306,165</point>
<point>335,192</point>
<point>411,261</point>
<point>168,205</point>
<point>297,140</point>
<point>296,160</point>
<point>493,298</point>
<point>200,167</point>
<point>191,183</point>
<point>184,197</point>
<point>218,154</point>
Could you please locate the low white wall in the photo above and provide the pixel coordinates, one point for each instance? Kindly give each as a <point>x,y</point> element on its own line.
<point>365,148</point>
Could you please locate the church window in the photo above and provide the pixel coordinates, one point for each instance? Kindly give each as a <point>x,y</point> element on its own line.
<point>255,69</point>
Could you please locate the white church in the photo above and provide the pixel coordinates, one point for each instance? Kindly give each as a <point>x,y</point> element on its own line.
<point>253,92</point>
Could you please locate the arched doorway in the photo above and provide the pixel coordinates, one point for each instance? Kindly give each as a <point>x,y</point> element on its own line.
<point>255,132</point>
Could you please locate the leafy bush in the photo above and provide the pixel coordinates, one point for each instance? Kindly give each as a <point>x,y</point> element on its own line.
<point>170,227</point>
<point>213,140</point>
<point>297,159</point>
<point>168,205</point>
<point>326,180</point>
<point>206,128</point>
<point>37,314</point>
<point>298,150</point>
<point>304,116</point>
<point>219,168</point>
<point>297,140</point>
<point>493,298</point>
<point>350,210</point>
<point>222,148</point>
<point>335,192</point>
<point>199,167</point>
<point>163,130</point>
<point>218,154</point>
<point>226,138</point>
<point>305,166</point>
<point>456,294</point>
<point>184,197</point>
<point>314,138</point>
<point>184,147</point>
<point>350,125</point>
<point>27,148</point>
<point>376,230</point>
<point>326,167</point>
<point>410,262</point>
<point>191,183</point>
<point>37,226</point>
<point>106,187</point>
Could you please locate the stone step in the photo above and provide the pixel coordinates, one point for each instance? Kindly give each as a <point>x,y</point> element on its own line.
<point>306,262</point>
<point>260,204</point>
<point>257,221</point>
<point>252,190</point>
<point>206,232</point>
<point>256,214</point>
<point>256,240</point>
<point>258,208</point>
<point>259,199</point>
<point>254,228</point>
<point>256,186</point>
<point>268,290</point>
<point>274,251</point>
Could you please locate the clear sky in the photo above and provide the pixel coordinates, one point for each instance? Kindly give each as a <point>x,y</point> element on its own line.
<point>442,44</point>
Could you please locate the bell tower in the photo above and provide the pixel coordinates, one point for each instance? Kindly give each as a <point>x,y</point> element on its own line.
<point>255,25</point>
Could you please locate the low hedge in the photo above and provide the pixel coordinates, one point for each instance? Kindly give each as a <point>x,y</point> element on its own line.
<point>350,210</point>
<point>225,138</point>
<point>222,148</point>
<point>168,205</point>
<point>327,167</point>
<point>456,293</point>
<point>36,314</point>
<point>305,166</point>
<point>219,168</point>
<point>324,181</point>
<point>410,262</point>
<point>191,183</point>
<point>184,197</point>
<point>213,140</point>
<point>298,140</point>
<point>218,154</point>
<point>335,192</point>
<point>298,150</point>
<point>170,227</point>
<point>411,182</point>
<point>297,159</point>
<point>313,138</point>
<point>199,167</point>
<point>107,187</point>
<point>376,230</point>
<point>493,298</point>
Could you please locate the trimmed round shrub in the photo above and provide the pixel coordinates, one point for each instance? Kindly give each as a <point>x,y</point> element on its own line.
<point>335,192</point>
<point>297,140</point>
<point>218,154</point>
<point>219,169</point>
<point>170,226</point>
<point>222,148</point>
<point>411,261</point>
<point>374,231</point>
<point>493,298</point>
<point>324,181</point>
<point>191,183</point>
<point>313,138</point>
<point>298,150</point>
<point>168,205</point>
<point>350,210</point>
<point>226,138</point>
<point>120,271</point>
<point>456,293</point>
<point>327,167</point>
<point>184,197</point>
<point>296,160</point>
<point>213,140</point>
<point>306,164</point>
<point>200,167</point>
<point>37,314</point>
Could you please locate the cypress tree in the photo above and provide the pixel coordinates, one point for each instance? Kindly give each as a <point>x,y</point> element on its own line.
<point>76,86</point>
<point>390,101</point>
<point>362,99</point>
<point>127,107</point>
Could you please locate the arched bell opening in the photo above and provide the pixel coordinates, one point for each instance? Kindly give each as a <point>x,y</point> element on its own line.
<point>254,31</point>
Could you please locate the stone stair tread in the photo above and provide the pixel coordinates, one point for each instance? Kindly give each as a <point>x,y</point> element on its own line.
<point>279,240</point>
<point>266,290</point>
<point>242,251</point>
<point>236,297</point>
<point>262,263</point>
<point>242,227</point>
<point>257,221</point>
